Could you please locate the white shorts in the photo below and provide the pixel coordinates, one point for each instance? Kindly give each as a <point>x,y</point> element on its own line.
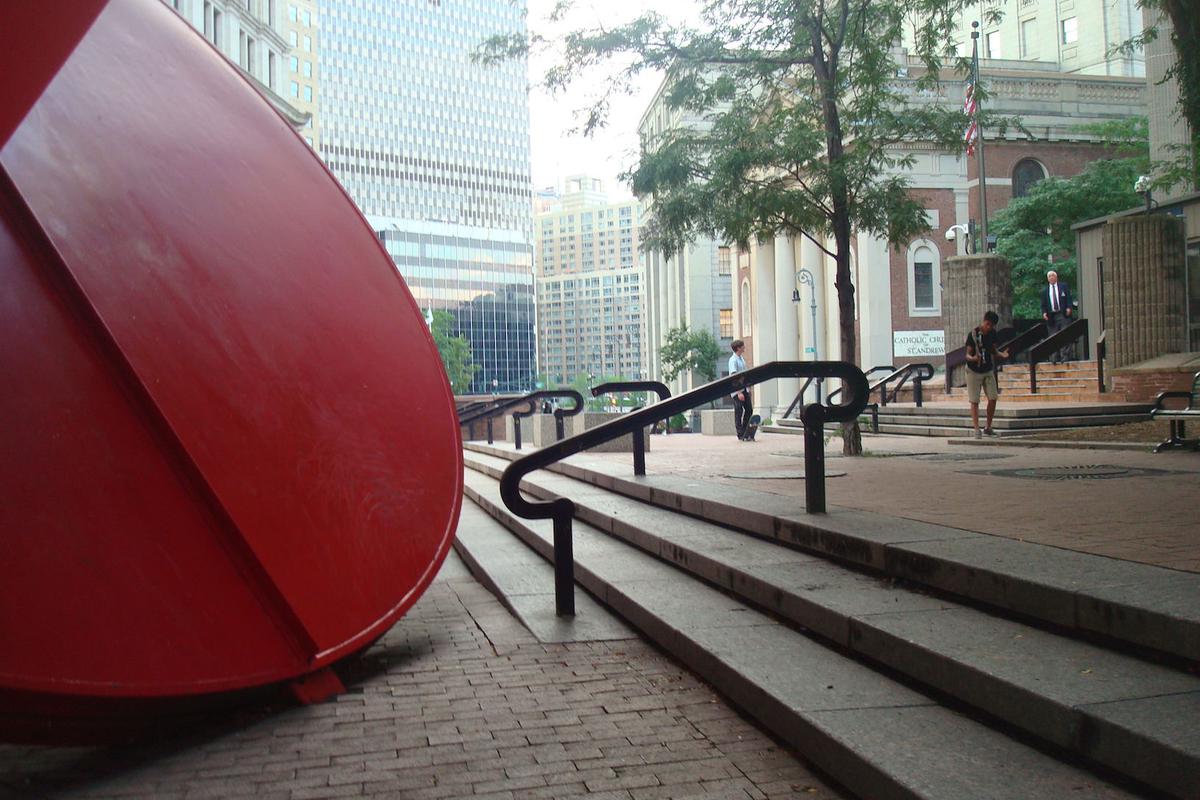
<point>985,381</point>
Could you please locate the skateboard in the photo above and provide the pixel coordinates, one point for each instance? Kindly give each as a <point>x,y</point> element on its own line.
<point>752,427</point>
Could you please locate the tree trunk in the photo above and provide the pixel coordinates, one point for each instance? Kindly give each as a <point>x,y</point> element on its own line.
<point>825,71</point>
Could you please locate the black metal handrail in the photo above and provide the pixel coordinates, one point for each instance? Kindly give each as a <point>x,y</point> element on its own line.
<point>881,368</point>
<point>639,434</point>
<point>1101,351</point>
<point>493,408</point>
<point>562,510</point>
<point>558,412</point>
<point>1014,346</point>
<point>798,400</point>
<point>1052,344</point>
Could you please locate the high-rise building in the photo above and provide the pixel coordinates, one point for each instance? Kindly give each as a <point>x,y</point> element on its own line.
<point>1077,35</point>
<point>590,280</point>
<point>434,149</point>
<point>250,34</point>
<point>301,83</point>
<point>694,286</point>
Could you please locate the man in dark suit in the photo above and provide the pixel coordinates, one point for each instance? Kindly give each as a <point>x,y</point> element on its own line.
<point>1057,310</point>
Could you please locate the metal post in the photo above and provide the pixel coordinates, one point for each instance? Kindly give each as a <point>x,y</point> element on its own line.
<point>560,432</point>
<point>917,392</point>
<point>874,418</point>
<point>516,431</point>
<point>814,467</point>
<point>489,427</point>
<point>564,567</point>
<point>639,451</point>
<point>983,211</point>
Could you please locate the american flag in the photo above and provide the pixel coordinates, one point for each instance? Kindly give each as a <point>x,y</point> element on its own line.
<point>970,107</point>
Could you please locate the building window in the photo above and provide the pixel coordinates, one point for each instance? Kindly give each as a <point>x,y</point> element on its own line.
<point>294,89</point>
<point>308,44</point>
<point>1026,173</point>
<point>294,64</point>
<point>726,317</point>
<point>924,278</point>
<point>1070,30</point>
<point>271,69</point>
<point>293,14</point>
<point>308,69</point>
<point>724,262</point>
<point>308,19</point>
<point>745,309</point>
<point>991,44</point>
<point>292,38</point>
<point>1029,38</point>
<point>308,95</point>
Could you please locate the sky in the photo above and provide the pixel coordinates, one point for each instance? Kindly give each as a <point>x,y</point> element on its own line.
<point>557,153</point>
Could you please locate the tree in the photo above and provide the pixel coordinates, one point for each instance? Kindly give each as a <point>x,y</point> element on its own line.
<point>686,350</point>
<point>1034,232</point>
<point>805,112</point>
<point>454,350</point>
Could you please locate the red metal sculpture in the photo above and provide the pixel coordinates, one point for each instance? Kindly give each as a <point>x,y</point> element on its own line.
<point>229,455</point>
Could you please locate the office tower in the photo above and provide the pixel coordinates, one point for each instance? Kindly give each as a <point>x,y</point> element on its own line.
<point>435,150</point>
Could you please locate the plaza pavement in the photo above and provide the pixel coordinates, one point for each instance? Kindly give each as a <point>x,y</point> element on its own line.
<point>456,701</point>
<point>1151,517</point>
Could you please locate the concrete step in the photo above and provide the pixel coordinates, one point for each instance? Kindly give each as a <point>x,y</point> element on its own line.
<point>1048,685</point>
<point>1136,605</point>
<point>876,736</point>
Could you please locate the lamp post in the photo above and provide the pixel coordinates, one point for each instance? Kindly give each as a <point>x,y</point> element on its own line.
<point>805,278</point>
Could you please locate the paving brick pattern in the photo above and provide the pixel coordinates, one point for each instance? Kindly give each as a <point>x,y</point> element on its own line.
<point>457,700</point>
<point>1149,519</point>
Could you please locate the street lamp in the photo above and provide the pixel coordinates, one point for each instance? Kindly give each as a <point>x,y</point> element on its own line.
<point>805,278</point>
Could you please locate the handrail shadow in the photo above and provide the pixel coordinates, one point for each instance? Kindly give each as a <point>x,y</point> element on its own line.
<point>562,510</point>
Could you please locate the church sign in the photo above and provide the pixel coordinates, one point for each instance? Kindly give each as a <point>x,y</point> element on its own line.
<point>918,344</point>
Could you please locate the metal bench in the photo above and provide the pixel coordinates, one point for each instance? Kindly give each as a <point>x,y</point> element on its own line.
<point>1178,416</point>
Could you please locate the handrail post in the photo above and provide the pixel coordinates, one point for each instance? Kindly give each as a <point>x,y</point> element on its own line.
<point>1032,375</point>
<point>516,431</point>
<point>918,382</point>
<point>564,566</point>
<point>813,418</point>
<point>560,431</point>
<point>1100,352</point>
<point>639,451</point>
<point>874,418</point>
<point>489,429</point>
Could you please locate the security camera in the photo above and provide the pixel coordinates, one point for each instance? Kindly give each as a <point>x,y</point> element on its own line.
<point>1143,184</point>
<point>951,234</point>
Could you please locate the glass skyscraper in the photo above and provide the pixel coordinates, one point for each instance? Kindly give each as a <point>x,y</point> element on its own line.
<point>435,151</point>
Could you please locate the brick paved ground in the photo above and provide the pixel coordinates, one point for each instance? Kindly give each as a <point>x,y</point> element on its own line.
<point>457,700</point>
<point>1151,519</point>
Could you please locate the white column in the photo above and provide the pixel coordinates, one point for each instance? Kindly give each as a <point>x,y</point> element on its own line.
<point>788,343</point>
<point>875,301</point>
<point>762,258</point>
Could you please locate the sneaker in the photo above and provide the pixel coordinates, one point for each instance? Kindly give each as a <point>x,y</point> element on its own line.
<point>989,432</point>
<point>978,435</point>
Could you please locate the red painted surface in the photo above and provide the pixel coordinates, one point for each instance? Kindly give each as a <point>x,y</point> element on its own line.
<point>230,454</point>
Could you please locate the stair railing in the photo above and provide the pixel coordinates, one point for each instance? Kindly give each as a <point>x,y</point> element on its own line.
<point>1101,351</point>
<point>1047,347</point>
<point>1014,346</point>
<point>499,407</point>
<point>639,434</point>
<point>562,510</point>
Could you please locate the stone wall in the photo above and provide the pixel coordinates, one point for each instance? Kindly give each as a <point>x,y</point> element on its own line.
<point>973,285</point>
<point>1144,292</point>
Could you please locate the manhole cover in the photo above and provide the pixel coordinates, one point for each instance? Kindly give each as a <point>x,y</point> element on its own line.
<point>778,476</point>
<point>961,456</point>
<point>1077,472</point>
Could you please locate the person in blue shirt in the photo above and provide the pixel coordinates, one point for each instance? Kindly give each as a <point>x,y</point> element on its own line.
<point>742,407</point>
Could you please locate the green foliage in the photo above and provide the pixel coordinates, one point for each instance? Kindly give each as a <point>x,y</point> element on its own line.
<point>454,350</point>
<point>803,107</point>
<point>677,422</point>
<point>1034,232</point>
<point>687,350</point>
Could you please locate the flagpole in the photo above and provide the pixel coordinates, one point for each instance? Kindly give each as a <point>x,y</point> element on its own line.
<point>983,213</point>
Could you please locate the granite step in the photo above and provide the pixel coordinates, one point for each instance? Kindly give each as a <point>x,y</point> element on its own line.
<point>877,736</point>
<point>1134,605</point>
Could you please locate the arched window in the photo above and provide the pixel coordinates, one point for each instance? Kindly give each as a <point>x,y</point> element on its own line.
<point>924,279</point>
<point>745,315</point>
<point>1026,173</point>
